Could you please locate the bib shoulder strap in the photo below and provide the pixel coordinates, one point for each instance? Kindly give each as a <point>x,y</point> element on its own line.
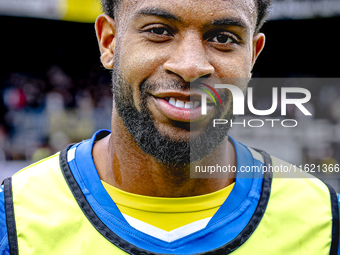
<point>10,219</point>
<point>335,225</point>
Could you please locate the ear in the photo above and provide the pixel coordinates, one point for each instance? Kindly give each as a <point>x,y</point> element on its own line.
<point>106,35</point>
<point>258,45</point>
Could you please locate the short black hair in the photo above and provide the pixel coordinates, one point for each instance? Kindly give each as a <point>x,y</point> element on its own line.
<point>263,9</point>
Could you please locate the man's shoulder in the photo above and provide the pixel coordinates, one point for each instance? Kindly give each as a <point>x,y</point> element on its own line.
<point>49,163</point>
<point>300,187</point>
<point>23,178</point>
<point>285,175</point>
<point>282,169</point>
<point>3,226</point>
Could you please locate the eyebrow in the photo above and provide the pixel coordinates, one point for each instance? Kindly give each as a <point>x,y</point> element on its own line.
<point>230,22</point>
<point>153,11</point>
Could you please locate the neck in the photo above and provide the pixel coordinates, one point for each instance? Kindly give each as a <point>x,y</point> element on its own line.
<point>121,163</point>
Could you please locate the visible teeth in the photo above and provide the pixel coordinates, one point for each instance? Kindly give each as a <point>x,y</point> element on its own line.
<point>189,105</point>
<point>182,104</point>
<point>172,101</point>
<point>179,104</point>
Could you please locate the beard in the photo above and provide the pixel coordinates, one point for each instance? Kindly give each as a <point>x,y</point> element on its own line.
<point>141,125</point>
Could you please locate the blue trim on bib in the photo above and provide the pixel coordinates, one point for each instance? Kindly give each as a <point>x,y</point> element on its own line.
<point>225,225</point>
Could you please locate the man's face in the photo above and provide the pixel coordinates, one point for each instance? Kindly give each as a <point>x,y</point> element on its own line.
<point>162,46</point>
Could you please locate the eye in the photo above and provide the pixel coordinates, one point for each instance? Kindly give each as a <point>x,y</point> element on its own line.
<point>159,31</point>
<point>222,38</point>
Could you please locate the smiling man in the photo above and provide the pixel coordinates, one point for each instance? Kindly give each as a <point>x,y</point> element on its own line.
<point>156,48</point>
<point>129,191</point>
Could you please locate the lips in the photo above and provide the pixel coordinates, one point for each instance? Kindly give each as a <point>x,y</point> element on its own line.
<point>180,106</point>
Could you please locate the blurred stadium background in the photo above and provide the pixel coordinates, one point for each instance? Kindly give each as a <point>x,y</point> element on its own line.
<point>54,90</point>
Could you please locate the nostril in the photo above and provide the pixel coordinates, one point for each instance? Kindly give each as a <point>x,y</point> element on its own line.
<point>206,76</point>
<point>169,71</point>
<point>189,70</point>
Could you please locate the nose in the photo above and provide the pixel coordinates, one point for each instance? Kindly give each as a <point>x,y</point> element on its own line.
<point>189,60</point>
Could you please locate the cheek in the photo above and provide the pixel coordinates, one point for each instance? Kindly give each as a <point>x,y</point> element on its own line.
<point>137,63</point>
<point>234,65</point>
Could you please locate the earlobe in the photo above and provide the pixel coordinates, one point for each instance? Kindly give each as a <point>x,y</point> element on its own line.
<point>258,45</point>
<point>106,31</point>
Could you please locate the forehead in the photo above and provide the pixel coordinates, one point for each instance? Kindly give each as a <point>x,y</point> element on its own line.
<point>193,12</point>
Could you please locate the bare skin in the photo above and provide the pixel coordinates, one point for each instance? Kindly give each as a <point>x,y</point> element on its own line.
<point>178,39</point>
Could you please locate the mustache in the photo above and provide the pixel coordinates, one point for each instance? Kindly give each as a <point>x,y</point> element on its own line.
<point>176,85</point>
<point>173,84</point>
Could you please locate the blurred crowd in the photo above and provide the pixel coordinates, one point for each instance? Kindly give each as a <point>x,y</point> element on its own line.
<point>40,114</point>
